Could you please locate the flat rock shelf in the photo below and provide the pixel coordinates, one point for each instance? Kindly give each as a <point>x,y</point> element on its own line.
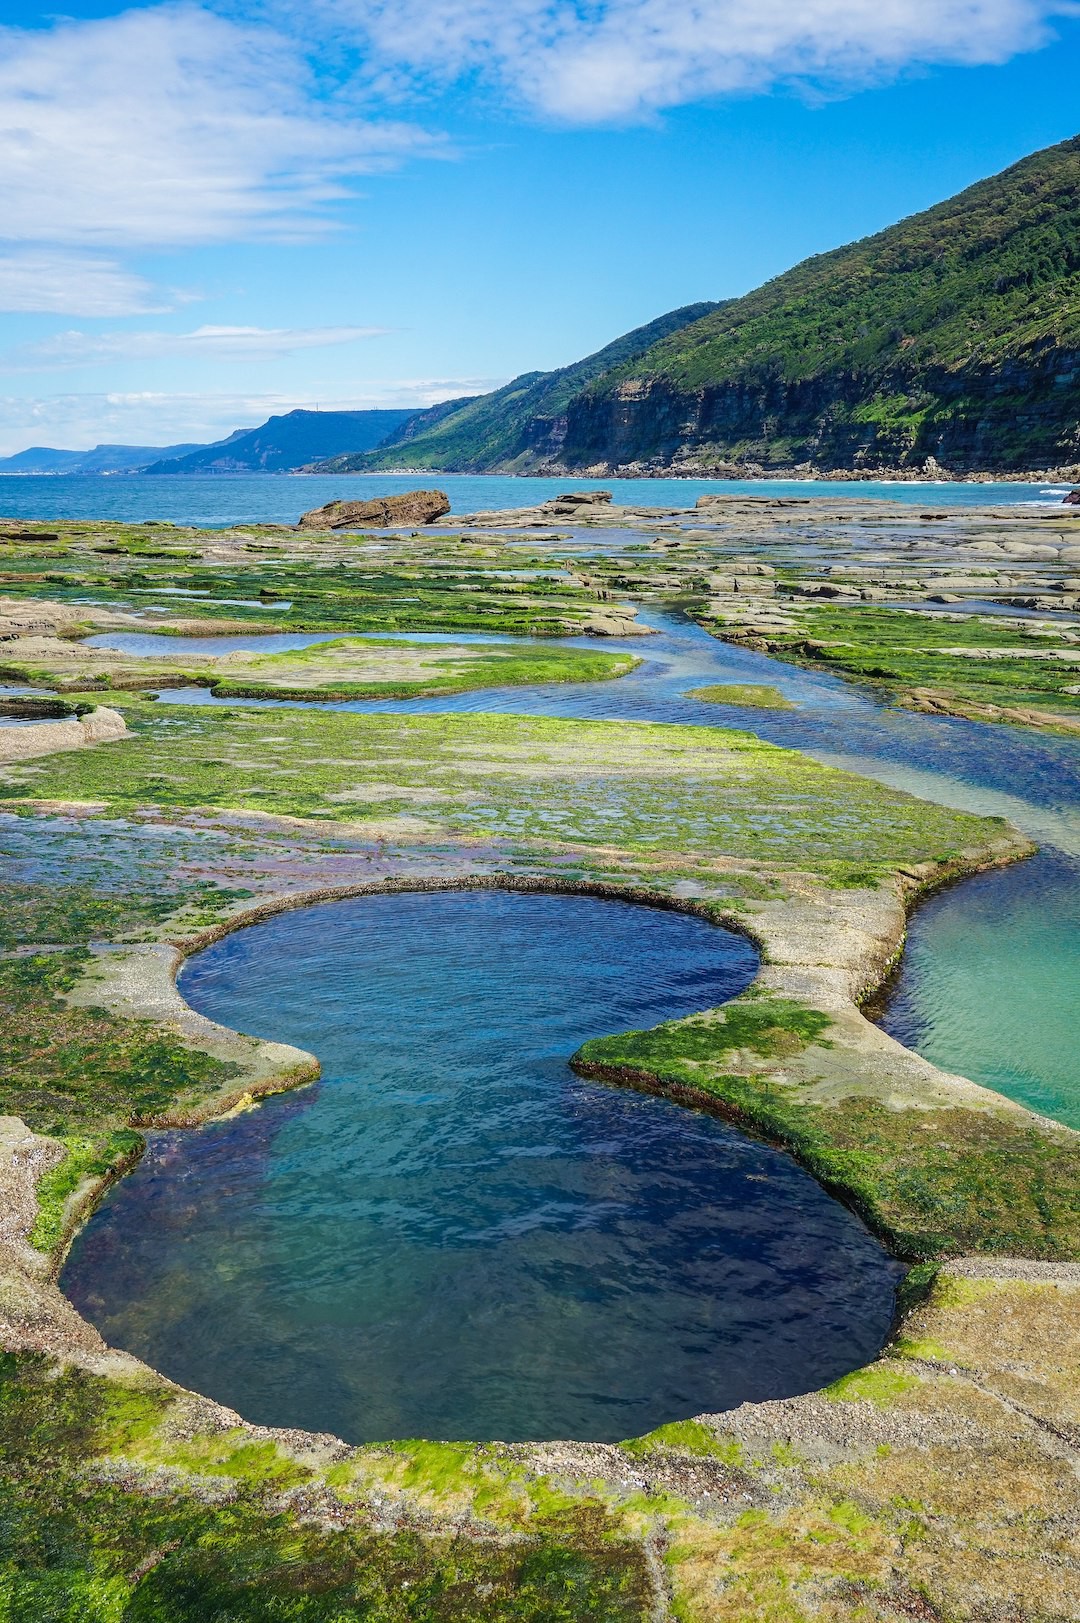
<point>452,1235</point>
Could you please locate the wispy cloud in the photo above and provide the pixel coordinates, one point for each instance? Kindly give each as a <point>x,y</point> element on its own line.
<point>598,60</point>
<point>66,349</point>
<point>77,421</point>
<point>180,124</point>
<point>55,282</point>
<point>170,126</point>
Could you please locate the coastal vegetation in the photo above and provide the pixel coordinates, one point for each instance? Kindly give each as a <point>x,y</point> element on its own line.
<point>952,335</point>
<point>967,664</point>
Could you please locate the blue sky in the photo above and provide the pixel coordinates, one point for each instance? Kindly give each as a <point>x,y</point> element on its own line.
<point>212,212</point>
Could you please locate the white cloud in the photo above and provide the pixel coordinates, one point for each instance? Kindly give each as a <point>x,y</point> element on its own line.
<point>79,421</point>
<point>595,60</point>
<point>171,126</point>
<point>59,283</point>
<point>204,343</point>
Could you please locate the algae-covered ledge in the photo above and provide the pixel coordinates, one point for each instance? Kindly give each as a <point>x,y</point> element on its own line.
<point>806,1508</point>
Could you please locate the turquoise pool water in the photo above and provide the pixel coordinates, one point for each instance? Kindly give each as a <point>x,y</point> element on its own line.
<point>452,1235</point>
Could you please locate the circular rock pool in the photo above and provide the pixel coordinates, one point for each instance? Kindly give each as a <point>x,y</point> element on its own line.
<point>451,1235</point>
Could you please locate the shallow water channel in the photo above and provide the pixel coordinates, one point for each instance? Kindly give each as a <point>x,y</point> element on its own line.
<point>990,983</point>
<point>452,1235</point>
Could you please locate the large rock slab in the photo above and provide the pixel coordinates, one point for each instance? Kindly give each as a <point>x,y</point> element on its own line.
<point>385,512</point>
<point>23,743</point>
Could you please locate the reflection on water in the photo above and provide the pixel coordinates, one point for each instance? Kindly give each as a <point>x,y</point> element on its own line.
<point>453,1235</point>
<point>159,645</point>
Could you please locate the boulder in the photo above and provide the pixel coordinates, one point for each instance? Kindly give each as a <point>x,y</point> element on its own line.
<point>1072,499</point>
<point>385,512</point>
<point>579,498</point>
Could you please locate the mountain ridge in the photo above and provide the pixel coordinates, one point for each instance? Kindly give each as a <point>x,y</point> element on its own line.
<point>104,458</point>
<point>948,341</point>
<point>286,441</point>
<point>519,424</point>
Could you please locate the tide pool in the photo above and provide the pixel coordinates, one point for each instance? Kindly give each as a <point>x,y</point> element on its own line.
<point>452,1235</point>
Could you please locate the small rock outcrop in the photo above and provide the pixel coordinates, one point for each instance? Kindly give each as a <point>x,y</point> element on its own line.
<point>385,512</point>
<point>101,726</point>
<point>1072,499</point>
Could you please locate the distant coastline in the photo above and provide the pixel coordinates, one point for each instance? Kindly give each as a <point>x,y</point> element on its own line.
<point>798,475</point>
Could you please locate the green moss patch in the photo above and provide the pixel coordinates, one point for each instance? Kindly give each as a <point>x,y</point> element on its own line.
<point>74,1072</point>
<point>74,914</point>
<point>967,660</point>
<point>749,695</point>
<point>336,670</point>
<point>439,587</point>
<point>688,1437</point>
<point>85,1158</point>
<point>627,785</point>
<point>81,1541</point>
<point>930,1182</point>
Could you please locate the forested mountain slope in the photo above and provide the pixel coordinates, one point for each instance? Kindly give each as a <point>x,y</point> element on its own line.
<point>516,427</point>
<point>954,334</point>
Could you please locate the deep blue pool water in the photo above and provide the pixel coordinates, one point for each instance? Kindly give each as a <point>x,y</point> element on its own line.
<point>452,1235</point>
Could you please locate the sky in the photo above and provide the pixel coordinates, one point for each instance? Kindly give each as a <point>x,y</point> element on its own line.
<point>212,212</point>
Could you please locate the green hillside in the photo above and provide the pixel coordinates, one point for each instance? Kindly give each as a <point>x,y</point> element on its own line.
<point>954,334</point>
<point>518,425</point>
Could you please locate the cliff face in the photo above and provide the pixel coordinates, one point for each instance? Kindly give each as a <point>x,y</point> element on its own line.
<point>1023,414</point>
<point>954,334</point>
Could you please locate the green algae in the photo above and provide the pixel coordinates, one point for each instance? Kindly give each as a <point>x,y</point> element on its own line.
<point>77,1072</point>
<point>458,671</point>
<point>765,1025</point>
<point>85,1160</point>
<point>75,914</point>
<point>750,695</point>
<point>908,653</point>
<point>631,785</point>
<point>882,1384</point>
<point>930,1182</point>
<point>86,1536</point>
<point>443,587</point>
<point>688,1437</point>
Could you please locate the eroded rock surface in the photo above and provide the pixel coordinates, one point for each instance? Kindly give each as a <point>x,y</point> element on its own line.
<point>46,737</point>
<point>385,512</point>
